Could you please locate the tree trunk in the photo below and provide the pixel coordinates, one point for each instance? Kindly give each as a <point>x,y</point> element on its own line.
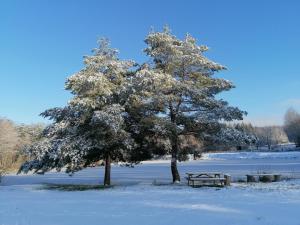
<point>175,147</point>
<point>175,174</point>
<point>107,170</point>
<point>174,170</point>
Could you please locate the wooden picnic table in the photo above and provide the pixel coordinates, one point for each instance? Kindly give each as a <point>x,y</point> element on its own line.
<point>211,178</point>
<point>205,174</point>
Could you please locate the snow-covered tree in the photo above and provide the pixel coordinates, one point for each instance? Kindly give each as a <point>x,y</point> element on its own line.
<point>179,87</point>
<point>91,127</point>
<point>238,135</point>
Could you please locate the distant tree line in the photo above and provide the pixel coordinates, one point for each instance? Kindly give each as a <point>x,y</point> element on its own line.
<point>271,136</point>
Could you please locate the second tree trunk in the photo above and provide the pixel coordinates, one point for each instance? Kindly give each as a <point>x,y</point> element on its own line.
<point>174,170</point>
<point>107,170</point>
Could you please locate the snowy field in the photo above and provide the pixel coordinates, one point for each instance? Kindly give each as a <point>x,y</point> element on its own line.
<point>252,155</point>
<point>135,199</point>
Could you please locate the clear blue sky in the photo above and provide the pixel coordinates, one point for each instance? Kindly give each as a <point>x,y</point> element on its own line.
<point>42,42</point>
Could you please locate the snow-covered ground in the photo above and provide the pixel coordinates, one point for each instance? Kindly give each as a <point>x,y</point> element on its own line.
<point>136,200</point>
<point>252,155</point>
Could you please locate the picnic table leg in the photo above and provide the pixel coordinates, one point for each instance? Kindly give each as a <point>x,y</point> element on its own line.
<point>227,180</point>
<point>277,177</point>
<point>250,178</point>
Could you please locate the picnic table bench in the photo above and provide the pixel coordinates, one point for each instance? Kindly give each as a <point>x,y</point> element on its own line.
<point>208,179</point>
<point>263,177</point>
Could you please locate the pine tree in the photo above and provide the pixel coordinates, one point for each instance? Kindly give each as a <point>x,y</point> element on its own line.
<point>91,127</point>
<point>179,87</point>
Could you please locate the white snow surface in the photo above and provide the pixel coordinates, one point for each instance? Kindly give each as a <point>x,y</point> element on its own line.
<point>135,200</point>
<point>251,155</point>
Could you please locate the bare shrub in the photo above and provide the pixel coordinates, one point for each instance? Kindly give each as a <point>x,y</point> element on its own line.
<point>270,136</point>
<point>3,168</point>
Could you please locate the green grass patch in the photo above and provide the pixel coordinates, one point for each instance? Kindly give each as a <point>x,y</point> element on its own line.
<point>73,187</point>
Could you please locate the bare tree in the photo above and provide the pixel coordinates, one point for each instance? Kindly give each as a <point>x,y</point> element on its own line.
<point>12,140</point>
<point>270,135</point>
<point>8,145</point>
<point>8,136</point>
<point>292,125</point>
